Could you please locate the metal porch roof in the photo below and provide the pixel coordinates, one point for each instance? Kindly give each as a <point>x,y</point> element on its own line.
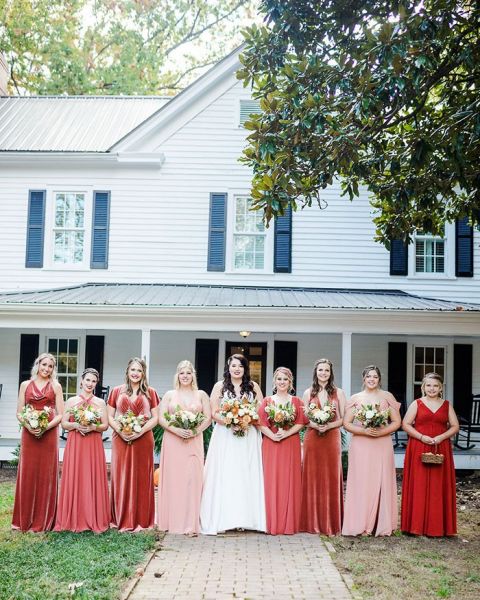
<point>71,123</point>
<point>159,295</point>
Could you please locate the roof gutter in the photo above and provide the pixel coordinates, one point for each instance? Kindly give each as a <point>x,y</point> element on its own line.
<point>90,159</point>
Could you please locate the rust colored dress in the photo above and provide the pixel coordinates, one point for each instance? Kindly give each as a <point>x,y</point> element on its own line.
<point>132,493</point>
<point>37,479</point>
<point>428,490</point>
<point>322,485</point>
<point>83,503</point>
<point>282,472</point>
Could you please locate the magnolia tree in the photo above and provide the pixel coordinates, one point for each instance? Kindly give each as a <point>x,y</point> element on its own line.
<point>380,94</point>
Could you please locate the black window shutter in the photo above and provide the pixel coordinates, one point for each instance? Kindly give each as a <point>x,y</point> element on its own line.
<point>29,344</point>
<point>100,230</point>
<point>94,352</point>
<point>206,363</point>
<point>35,229</point>
<point>285,355</point>
<point>397,372</point>
<point>398,257</point>
<point>462,379</point>
<point>463,248</point>
<point>217,232</point>
<point>282,262</point>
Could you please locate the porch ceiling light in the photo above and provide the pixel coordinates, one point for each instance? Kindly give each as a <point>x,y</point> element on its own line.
<point>244,334</point>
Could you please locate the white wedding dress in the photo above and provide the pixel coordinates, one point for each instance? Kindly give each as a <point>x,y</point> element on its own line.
<point>233,493</point>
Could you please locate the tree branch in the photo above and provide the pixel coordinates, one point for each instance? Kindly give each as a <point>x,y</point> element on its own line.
<point>175,86</point>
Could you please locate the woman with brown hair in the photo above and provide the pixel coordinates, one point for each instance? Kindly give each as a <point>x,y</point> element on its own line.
<point>322,484</point>
<point>233,493</point>
<point>132,414</point>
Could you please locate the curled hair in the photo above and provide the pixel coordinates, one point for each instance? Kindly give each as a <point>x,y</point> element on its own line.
<point>247,384</point>
<point>329,387</point>
<point>185,364</point>
<point>366,370</point>
<point>143,388</point>
<point>38,360</point>
<point>286,371</point>
<point>91,371</point>
<point>436,377</point>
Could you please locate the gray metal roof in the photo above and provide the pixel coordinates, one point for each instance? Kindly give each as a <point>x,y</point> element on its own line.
<point>159,295</point>
<point>71,123</point>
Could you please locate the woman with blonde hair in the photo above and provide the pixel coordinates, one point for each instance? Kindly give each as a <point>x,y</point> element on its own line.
<point>281,450</point>
<point>429,504</point>
<point>132,493</point>
<point>37,479</point>
<point>322,480</point>
<point>181,458</point>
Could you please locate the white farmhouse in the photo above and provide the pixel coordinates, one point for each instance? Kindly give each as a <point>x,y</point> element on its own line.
<point>125,231</point>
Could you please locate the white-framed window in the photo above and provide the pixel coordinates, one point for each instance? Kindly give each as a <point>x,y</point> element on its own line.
<point>69,228</point>
<point>433,255</point>
<point>250,237</point>
<point>66,350</point>
<point>427,359</point>
<point>247,107</point>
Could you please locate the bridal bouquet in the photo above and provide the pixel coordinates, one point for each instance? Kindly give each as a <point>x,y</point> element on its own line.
<point>184,419</point>
<point>36,419</point>
<point>370,415</point>
<point>129,422</point>
<point>86,415</point>
<point>281,416</point>
<point>239,414</point>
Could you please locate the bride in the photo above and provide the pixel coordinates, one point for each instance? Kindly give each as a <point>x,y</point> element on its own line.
<point>233,493</point>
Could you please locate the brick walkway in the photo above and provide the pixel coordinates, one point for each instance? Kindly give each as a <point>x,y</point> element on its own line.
<point>247,566</point>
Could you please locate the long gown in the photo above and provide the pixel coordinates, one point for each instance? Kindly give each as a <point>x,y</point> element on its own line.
<point>132,493</point>
<point>322,483</point>
<point>233,490</point>
<point>37,478</point>
<point>282,471</point>
<point>180,478</point>
<point>428,491</point>
<point>83,503</point>
<point>371,496</point>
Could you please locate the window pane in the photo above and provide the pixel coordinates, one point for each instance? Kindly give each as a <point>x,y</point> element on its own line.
<point>52,346</point>
<point>62,345</point>
<point>439,355</point>
<point>418,372</point>
<point>419,353</point>
<point>72,364</point>
<point>429,355</point>
<point>72,386</point>
<point>72,346</point>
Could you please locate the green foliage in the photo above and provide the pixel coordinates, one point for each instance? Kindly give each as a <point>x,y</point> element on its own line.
<point>115,46</point>
<point>381,94</point>
<point>39,566</point>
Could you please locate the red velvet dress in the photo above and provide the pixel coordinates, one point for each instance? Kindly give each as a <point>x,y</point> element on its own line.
<point>428,490</point>
<point>282,472</point>
<point>37,478</point>
<point>132,492</point>
<point>83,504</point>
<point>322,484</point>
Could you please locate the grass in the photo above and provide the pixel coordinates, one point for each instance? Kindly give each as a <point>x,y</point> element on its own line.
<point>56,566</point>
<point>413,567</point>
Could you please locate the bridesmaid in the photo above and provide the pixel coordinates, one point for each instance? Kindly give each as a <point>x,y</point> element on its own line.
<point>371,497</point>
<point>282,463</point>
<point>83,503</point>
<point>429,504</point>
<point>37,479</point>
<point>132,495</point>
<point>181,458</point>
<point>322,485</point>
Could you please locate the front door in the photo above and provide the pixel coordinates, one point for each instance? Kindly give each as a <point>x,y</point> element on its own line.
<point>256,353</point>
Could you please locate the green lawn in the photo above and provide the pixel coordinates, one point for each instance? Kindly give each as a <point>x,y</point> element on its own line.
<point>42,566</point>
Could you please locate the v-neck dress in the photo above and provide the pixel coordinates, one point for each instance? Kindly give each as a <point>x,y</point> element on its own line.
<point>180,479</point>
<point>37,478</point>
<point>428,490</point>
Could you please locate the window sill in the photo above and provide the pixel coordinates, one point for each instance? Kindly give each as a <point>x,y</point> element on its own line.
<point>432,276</point>
<point>68,268</point>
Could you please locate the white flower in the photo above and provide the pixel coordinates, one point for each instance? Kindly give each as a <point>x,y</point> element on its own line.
<point>33,423</point>
<point>369,414</point>
<point>241,412</point>
<point>137,428</point>
<point>89,415</point>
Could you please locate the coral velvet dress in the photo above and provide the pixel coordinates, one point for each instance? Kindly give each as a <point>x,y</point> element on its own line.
<point>282,473</point>
<point>132,493</point>
<point>180,479</point>
<point>83,503</point>
<point>428,491</point>
<point>37,479</point>
<point>371,496</point>
<point>322,483</point>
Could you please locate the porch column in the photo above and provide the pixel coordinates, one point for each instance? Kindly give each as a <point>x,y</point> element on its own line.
<point>146,346</point>
<point>347,363</point>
